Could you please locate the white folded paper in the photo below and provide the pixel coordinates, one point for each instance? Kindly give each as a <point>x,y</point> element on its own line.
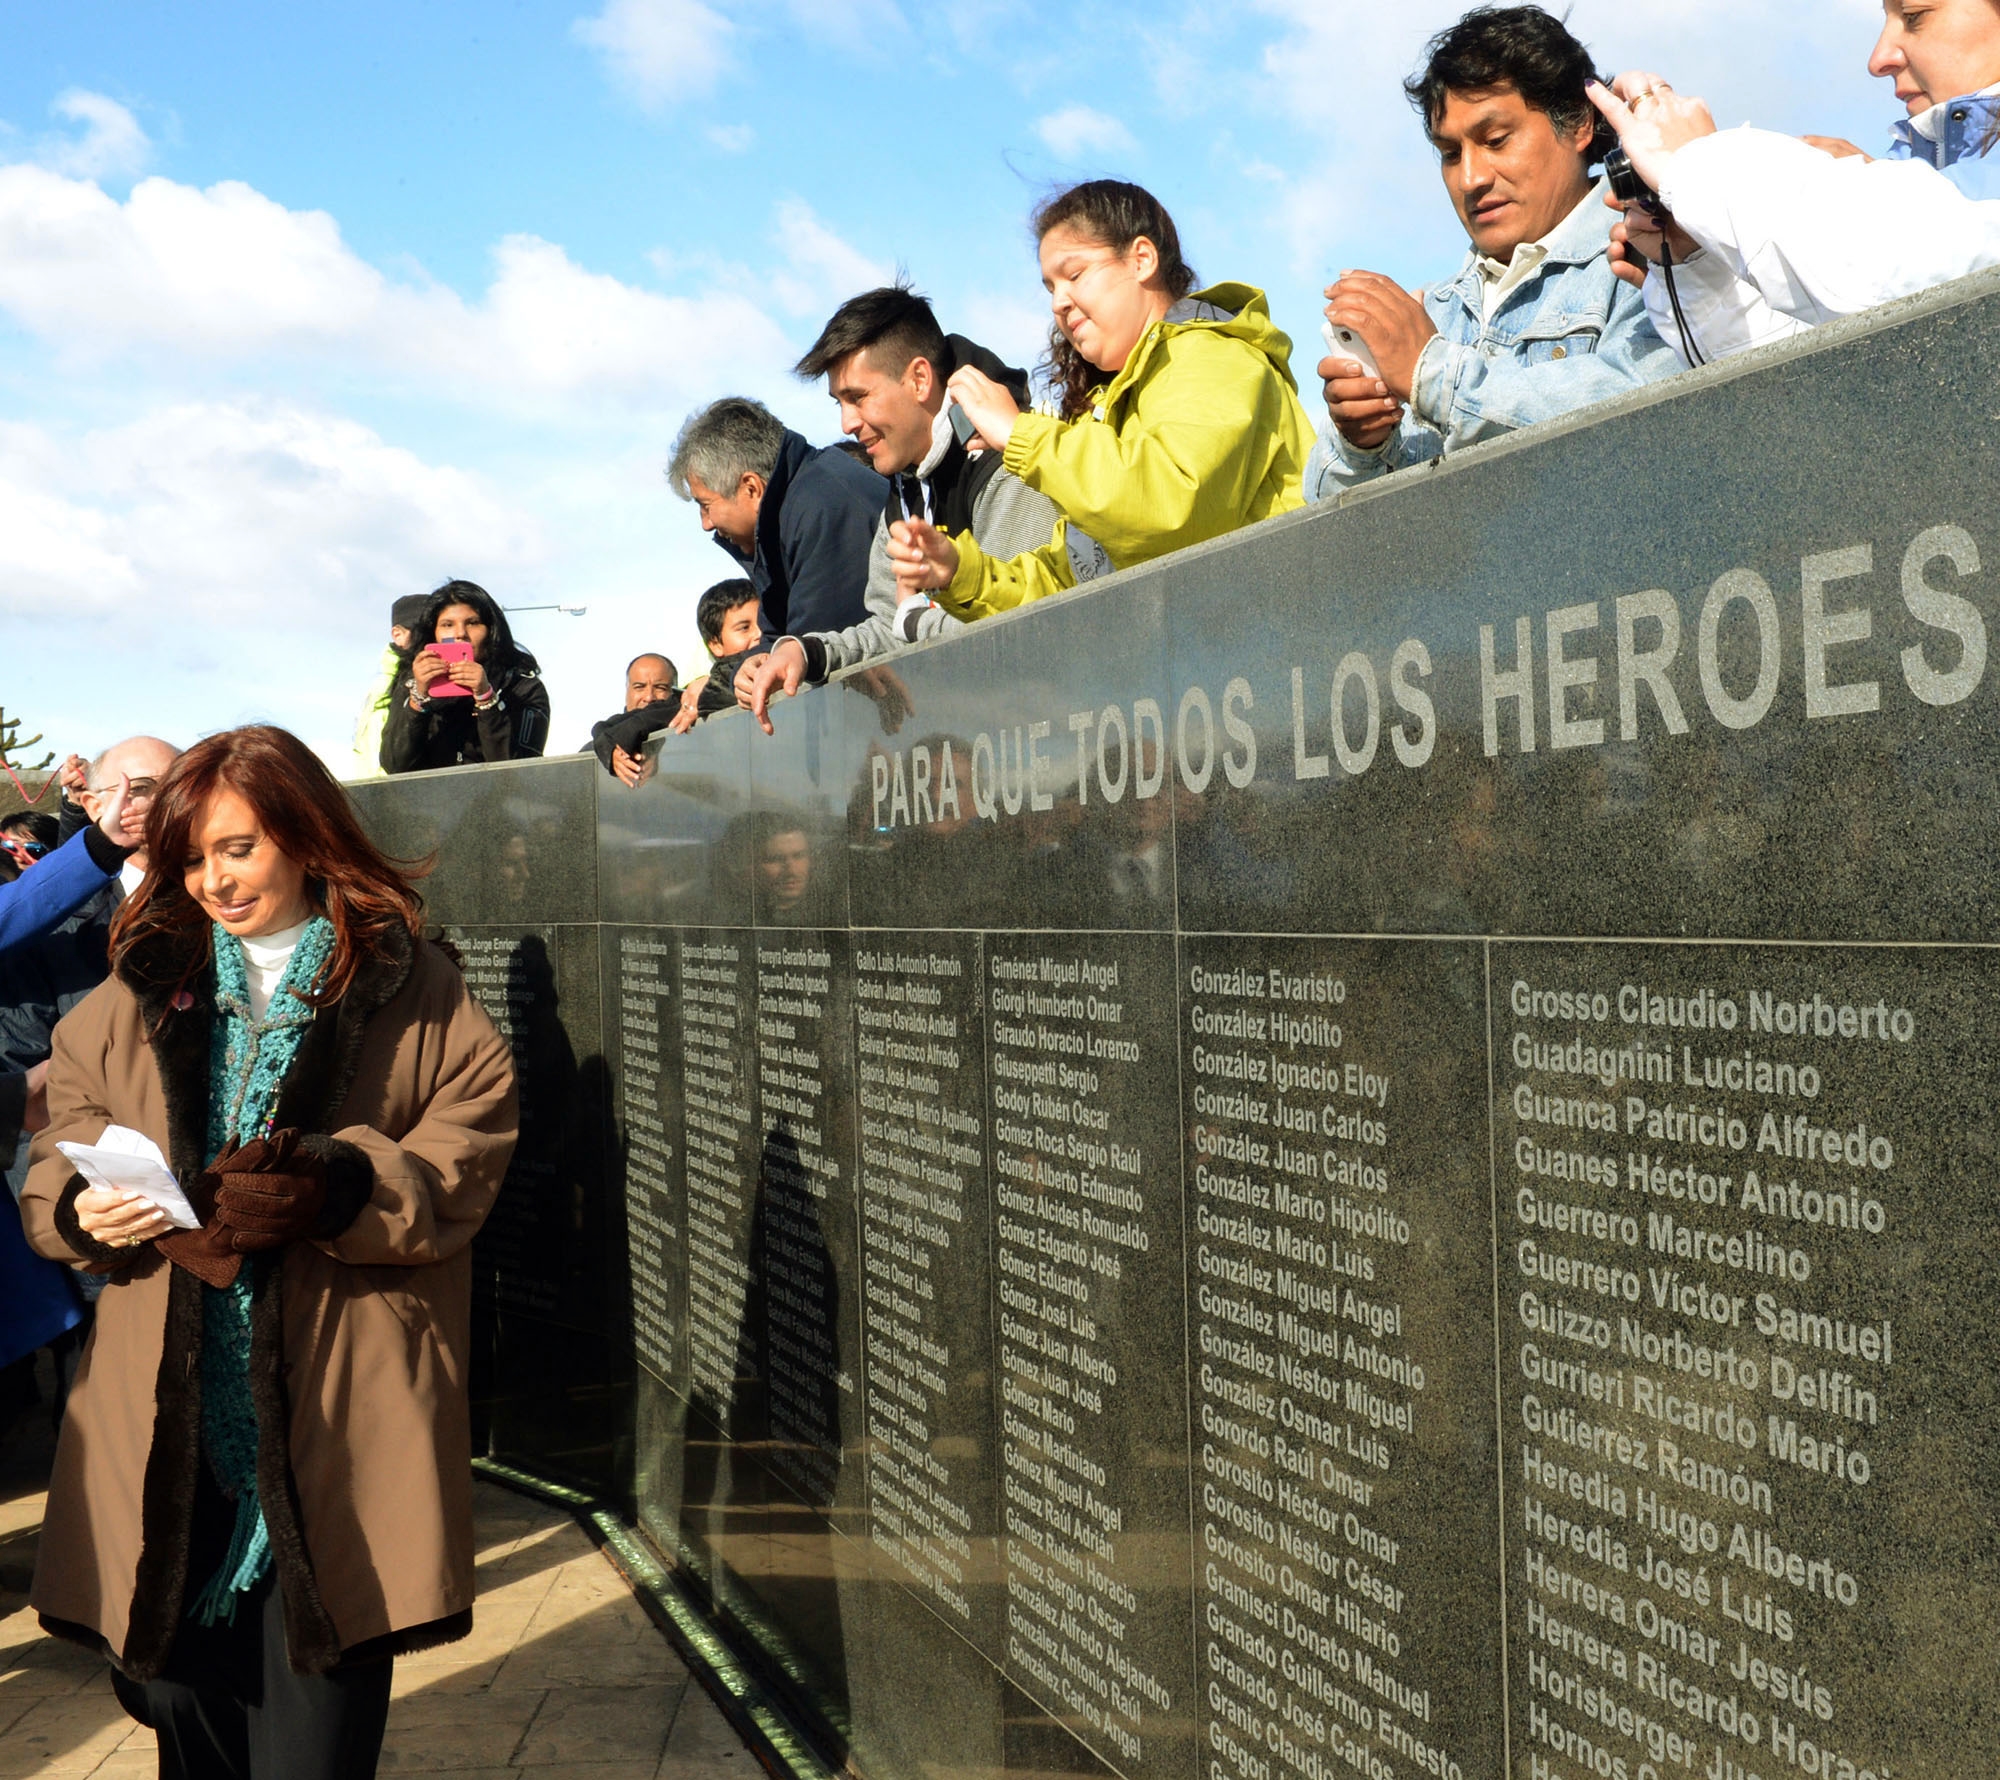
<point>129,1161</point>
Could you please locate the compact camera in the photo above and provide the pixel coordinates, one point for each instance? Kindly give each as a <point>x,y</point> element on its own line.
<point>1627,187</point>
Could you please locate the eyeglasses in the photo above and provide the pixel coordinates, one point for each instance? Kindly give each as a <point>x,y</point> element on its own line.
<point>141,791</point>
<point>33,849</point>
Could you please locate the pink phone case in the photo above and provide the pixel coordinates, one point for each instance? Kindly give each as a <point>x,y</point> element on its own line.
<point>451,652</point>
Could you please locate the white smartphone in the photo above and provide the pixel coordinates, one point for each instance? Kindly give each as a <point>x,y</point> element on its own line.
<point>1346,343</point>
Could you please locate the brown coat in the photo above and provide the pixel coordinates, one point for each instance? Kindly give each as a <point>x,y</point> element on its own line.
<point>359,1344</point>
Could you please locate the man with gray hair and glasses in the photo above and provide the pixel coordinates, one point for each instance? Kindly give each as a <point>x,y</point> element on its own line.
<point>799,519</point>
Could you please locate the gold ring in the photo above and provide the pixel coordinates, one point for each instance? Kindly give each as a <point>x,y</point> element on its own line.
<point>1640,98</point>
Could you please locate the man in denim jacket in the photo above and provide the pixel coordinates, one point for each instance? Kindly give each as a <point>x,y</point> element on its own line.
<point>1536,323</point>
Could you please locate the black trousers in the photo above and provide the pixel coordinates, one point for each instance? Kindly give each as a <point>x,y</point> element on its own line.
<point>229,1707</point>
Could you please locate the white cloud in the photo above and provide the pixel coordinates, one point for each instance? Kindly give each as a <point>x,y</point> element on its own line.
<point>732,139</point>
<point>231,562</point>
<point>110,145</point>
<point>1014,327</point>
<point>265,516</point>
<point>825,270</point>
<point>226,273</point>
<point>660,50</point>
<point>1077,130</point>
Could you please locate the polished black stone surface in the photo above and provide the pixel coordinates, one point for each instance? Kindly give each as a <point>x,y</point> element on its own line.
<point>643,1046</point>
<point>550,1270</point>
<point>1001,783</point>
<point>507,844</point>
<point>1088,1279</point>
<point>926,1270</point>
<point>1759,699</point>
<point>672,850</point>
<point>1365,1151</point>
<point>1348,1579</point>
<point>1747,1203</point>
<point>806,1256</point>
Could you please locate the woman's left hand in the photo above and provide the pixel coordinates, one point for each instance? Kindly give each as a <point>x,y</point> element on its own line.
<point>471,675</point>
<point>923,557</point>
<point>1652,120</point>
<point>119,1220</point>
<point>987,404</point>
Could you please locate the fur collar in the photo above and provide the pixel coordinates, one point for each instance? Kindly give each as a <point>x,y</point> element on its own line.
<point>178,1024</point>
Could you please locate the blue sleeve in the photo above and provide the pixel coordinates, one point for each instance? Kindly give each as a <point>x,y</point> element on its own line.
<point>48,890</point>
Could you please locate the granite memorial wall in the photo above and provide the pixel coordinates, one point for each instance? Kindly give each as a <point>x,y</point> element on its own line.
<point>1368,1151</point>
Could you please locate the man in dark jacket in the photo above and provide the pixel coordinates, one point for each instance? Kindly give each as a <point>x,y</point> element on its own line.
<point>798,518</point>
<point>652,696</point>
<point>886,362</point>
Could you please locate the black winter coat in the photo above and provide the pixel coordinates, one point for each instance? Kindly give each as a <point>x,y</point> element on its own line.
<point>631,730</point>
<point>449,732</point>
<point>814,532</point>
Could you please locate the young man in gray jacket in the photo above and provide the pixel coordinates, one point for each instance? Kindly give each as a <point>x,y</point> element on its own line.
<point>886,362</point>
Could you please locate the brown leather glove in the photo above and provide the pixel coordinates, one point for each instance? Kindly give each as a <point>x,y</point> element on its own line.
<point>268,1192</point>
<point>206,1253</point>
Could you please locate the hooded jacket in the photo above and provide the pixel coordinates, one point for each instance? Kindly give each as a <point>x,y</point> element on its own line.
<point>810,564</point>
<point>451,732</point>
<point>1201,432</point>
<point>360,1342</point>
<point>962,492</point>
<point>374,715</point>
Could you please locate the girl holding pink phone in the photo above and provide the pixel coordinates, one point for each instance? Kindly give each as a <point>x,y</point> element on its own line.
<point>472,695</point>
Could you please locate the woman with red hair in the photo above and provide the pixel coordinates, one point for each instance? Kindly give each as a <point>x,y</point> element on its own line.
<point>263,1488</point>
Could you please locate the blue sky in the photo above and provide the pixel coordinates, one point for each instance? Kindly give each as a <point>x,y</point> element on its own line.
<point>304,308</point>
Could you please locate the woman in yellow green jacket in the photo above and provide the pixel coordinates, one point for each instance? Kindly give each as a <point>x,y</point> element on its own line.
<point>1177,417</point>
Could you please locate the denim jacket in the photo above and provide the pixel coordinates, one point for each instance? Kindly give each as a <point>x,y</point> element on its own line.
<point>1967,130</point>
<point>1564,338</point>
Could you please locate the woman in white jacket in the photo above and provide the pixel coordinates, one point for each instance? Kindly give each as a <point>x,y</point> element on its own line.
<point>1771,234</point>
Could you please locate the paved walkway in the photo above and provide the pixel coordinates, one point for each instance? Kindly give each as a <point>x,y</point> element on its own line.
<point>563,1674</point>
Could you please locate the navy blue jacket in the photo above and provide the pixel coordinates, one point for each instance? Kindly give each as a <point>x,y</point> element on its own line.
<point>814,531</point>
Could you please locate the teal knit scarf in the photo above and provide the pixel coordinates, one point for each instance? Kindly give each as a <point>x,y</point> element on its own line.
<point>247,1064</point>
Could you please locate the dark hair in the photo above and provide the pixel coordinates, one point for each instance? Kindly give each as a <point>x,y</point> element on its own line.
<point>717,603</point>
<point>673,673</point>
<point>500,654</point>
<point>1114,214</point>
<point>32,825</point>
<point>892,324</point>
<point>305,812</point>
<point>1517,48</point>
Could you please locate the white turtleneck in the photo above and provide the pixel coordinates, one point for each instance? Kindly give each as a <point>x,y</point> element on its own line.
<point>264,961</point>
